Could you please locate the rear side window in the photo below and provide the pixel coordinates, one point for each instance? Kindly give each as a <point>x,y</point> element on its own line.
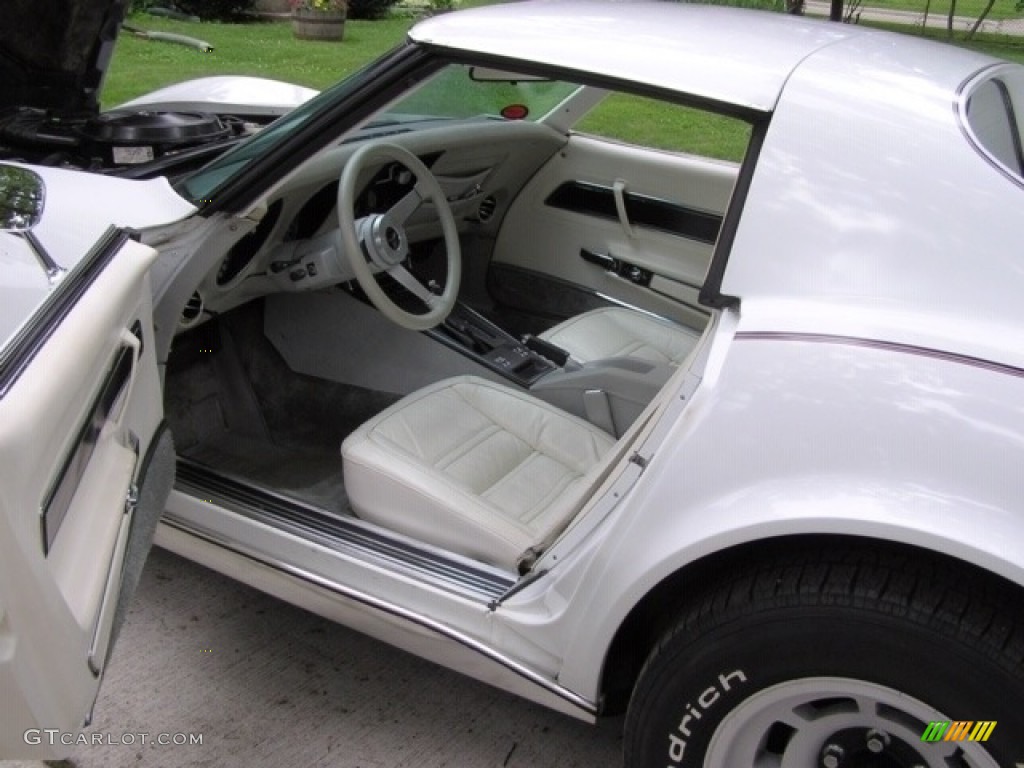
<point>650,123</point>
<point>994,112</point>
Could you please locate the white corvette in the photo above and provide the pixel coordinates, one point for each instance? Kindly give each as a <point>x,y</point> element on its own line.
<point>732,446</point>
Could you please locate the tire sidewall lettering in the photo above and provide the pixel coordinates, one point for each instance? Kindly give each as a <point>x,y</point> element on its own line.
<point>724,692</point>
<point>682,735</point>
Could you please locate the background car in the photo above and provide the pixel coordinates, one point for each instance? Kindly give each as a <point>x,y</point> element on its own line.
<point>728,446</point>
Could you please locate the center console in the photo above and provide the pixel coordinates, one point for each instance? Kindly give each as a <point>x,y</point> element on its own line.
<point>522,362</point>
<point>609,393</point>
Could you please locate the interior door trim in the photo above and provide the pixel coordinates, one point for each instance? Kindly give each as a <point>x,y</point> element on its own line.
<point>604,202</point>
<point>58,498</point>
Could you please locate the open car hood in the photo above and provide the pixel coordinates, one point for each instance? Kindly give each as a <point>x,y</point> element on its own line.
<point>54,53</point>
<point>54,56</point>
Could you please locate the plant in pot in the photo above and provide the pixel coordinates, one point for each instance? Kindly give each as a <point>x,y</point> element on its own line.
<point>318,19</point>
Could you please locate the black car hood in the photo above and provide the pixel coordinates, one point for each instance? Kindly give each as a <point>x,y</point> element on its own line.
<point>54,53</point>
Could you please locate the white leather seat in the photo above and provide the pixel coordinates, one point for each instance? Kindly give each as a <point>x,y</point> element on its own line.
<point>622,332</point>
<point>474,467</point>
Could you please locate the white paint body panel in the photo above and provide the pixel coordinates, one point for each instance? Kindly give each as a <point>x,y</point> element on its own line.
<point>676,48</point>
<point>23,284</point>
<point>723,474</point>
<point>79,207</point>
<point>231,94</point>
<point>871,215</point>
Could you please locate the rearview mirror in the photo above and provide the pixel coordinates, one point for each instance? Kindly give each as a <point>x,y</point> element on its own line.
<point>489,75</point>
<point>22,193</point>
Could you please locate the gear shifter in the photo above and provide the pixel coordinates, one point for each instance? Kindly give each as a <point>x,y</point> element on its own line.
<point>456,327</point>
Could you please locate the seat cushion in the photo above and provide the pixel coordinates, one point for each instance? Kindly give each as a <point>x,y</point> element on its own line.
<point>622,332</point>
<point>472,466</point>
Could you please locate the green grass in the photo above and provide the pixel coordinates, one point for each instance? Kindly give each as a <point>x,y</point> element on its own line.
<point>654,124</point>
<point>1000,46</point>
<point>264,49</point>
<point>939,9</point>
<point>269,50</point>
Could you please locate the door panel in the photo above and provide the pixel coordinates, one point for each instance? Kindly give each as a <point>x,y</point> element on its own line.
<point>74,422</point>
<point>634,224</point>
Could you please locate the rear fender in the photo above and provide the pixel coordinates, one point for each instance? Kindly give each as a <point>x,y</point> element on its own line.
<point>798,437</point>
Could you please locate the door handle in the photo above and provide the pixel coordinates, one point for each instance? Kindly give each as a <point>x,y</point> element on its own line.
<point>603,260</point>
<point>633,273</point>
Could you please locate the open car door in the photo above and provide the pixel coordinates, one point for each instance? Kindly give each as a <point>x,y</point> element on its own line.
<point>86,465</point>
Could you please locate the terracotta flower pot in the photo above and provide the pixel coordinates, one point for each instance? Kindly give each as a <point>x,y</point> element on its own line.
<point>310,24</point>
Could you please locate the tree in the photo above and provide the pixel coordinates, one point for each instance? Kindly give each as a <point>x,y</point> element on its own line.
<point>981,18</point>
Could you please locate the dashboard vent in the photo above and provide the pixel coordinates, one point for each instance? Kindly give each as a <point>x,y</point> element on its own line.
<point>487,208</point>
<point>193,310</point>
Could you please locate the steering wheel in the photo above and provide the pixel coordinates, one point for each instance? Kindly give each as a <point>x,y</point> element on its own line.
<point>378,242</point>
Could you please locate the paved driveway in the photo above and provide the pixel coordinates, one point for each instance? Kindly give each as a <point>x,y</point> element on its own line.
<point>267,684</point>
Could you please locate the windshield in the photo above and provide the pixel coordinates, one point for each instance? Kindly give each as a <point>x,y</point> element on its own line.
<point>458,92</point>
<point>455,92</point>
<point>200,187</point>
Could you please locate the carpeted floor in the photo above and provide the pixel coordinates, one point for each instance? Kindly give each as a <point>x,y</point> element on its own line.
<point>236,407</point>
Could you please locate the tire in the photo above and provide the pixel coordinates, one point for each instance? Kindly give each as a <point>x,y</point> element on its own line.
<point>835,659</point>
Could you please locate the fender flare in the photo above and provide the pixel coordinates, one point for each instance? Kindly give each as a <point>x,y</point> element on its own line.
<point>586,668</point>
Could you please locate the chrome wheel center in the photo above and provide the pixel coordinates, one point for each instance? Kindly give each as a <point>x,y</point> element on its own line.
<point>830,722</point>
<point>870,748</point>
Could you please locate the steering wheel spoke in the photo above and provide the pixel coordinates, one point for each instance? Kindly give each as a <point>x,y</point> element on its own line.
<point>382,237</point>
<point>400,212</point>
<point>408,281</point>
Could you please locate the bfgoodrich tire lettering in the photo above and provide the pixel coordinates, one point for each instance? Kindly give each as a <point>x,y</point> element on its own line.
<point>836,659</point>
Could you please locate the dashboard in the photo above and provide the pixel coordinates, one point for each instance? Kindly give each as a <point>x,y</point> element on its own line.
<point>480,165</point>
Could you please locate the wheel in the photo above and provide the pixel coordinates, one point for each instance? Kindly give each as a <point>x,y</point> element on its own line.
<point>378,242</point>
<point>848,658</point>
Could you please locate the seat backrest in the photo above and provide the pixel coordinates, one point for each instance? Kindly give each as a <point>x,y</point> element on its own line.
<point>603,475</point>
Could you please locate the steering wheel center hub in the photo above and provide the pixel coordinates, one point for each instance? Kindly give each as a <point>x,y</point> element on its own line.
<point>386,242</point>
<point>379,242</point>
